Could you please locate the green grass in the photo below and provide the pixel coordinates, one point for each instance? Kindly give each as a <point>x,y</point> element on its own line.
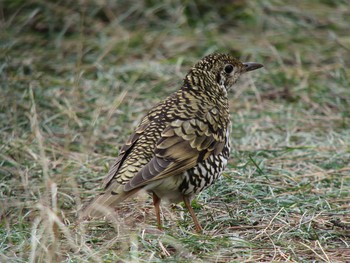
<point>76,79</point>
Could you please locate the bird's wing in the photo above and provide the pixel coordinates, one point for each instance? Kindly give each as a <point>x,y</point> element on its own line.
<point>182,145</point>
<point>124,152</point>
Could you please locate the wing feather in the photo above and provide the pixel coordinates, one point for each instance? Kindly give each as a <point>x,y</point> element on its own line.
<point>125,150</point>
<point>179,149</point>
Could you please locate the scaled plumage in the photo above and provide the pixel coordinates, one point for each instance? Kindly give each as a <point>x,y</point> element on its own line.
<point>182,145</point>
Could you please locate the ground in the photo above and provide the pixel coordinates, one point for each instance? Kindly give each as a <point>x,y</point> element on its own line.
<point>76,77</point>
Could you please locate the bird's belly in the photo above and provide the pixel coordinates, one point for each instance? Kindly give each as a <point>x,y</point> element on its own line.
<point>167,189</point>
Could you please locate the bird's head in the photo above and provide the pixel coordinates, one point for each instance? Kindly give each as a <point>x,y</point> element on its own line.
<point>225,68</point>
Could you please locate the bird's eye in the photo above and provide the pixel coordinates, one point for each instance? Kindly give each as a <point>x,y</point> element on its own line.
<point>228,68</point>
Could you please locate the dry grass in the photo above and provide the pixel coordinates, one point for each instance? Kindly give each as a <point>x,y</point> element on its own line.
<point>75,80</point>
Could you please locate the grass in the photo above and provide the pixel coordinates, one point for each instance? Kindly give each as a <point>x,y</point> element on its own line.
<point>76,79</point>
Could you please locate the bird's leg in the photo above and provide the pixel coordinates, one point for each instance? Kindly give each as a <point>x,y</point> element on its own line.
<point>190,209</point>
<point>156,202</point>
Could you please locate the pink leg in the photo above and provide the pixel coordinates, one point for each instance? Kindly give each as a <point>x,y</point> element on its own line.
<point>156,202</point>
<point>190,209</point>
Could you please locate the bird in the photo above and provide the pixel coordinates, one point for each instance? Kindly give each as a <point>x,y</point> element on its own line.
<point>181,146</point>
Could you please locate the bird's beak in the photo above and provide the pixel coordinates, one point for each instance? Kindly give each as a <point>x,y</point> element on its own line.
<point>249,66</point>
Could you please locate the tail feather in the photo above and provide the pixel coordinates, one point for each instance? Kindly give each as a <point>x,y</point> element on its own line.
<point>102,204</point>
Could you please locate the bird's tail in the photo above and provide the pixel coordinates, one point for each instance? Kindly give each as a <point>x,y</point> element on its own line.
<point>102,205</point>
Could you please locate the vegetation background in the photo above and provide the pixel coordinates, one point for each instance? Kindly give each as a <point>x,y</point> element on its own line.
<point>77,76</point>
